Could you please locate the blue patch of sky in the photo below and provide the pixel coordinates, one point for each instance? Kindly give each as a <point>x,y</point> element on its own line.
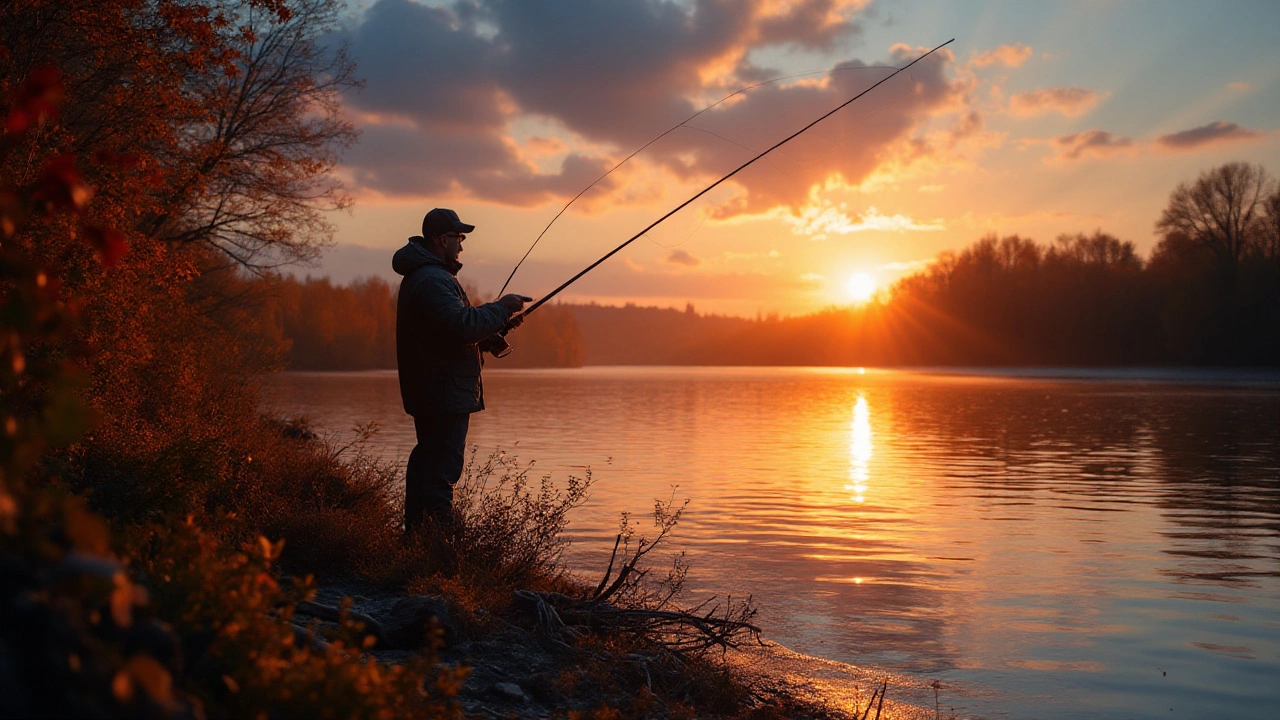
<point>1159,59</point>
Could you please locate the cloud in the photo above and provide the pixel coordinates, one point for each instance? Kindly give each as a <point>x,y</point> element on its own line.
<point>404,161</point>
<point>1239,86</point>
<point>680,257</point>
<point>1006,55</point>
<point>449,86</point>
<point>1070,101</point>
<point>1215,133</point>
<point>905,267</point>
<point>1097,143</point>
<point>819,220</point>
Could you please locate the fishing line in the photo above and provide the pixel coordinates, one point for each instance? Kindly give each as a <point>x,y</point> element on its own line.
<point>707,214</point>
<point>715,184</point>
<point>673,129</point>
<point>685,240</point>
<point>842,137</point>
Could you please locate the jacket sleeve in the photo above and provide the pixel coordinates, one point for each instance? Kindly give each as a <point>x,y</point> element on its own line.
<point>446,311</point>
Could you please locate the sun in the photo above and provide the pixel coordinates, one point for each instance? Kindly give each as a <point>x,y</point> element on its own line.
<point>861,287</point>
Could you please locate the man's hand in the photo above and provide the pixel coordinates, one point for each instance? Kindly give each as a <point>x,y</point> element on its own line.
<point>514,303</point>
<point>514,321</point>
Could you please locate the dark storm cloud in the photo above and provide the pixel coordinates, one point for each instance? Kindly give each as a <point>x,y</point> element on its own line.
<point>401,160</point>
<point>445,83</point>
<point>426,64</point>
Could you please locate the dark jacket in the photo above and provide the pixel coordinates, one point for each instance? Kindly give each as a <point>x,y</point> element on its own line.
<point>436,334</point>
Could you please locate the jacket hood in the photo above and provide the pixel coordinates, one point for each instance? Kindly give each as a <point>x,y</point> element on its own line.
<point>415,255</point>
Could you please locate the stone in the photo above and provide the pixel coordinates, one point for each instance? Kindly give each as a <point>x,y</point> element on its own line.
<point>509,690</point>
<point>404,627</point>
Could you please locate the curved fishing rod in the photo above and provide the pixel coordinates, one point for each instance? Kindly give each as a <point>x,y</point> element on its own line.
<point>713,185</point>
<point>500,347</point>
<point>668,131</point>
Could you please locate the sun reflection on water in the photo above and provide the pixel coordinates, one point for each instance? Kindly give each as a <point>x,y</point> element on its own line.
<point>859,449</point>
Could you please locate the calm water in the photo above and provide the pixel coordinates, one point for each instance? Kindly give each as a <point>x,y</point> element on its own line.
<point>1068,546</point>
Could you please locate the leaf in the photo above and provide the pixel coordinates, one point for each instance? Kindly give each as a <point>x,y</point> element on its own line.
<point>12,212</point>
<point>60,184</point>
<point>87,532</point>
<point>147,672</point>
<point>122,597</point>
<point>36,100</point>
<point>109,243</point>
<point>122,687</point>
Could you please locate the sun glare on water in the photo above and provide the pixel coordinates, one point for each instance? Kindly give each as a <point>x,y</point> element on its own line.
<point>861,287</point>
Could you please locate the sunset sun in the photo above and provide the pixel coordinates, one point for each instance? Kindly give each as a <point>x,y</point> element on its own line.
<point>861,287</point>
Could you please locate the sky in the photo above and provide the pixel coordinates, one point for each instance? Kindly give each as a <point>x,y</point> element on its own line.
<point>1040,119</point>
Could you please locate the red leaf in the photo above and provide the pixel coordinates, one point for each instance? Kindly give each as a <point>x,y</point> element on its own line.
<point>60,184</point>
<point>12,211</point>
<point>110,243</point>
<point>35,100</point>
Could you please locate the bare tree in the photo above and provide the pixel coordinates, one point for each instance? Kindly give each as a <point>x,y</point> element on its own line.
<point>262,159</point>
<point>1269,228</point>
<point>1220,210</point>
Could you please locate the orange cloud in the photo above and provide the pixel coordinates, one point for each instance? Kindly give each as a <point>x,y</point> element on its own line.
<point>1070,101</point>
<point>539,146</point>
<point>541,79</point>
<point>1219,132</point>
<point>1096,143</point>
<point>820,220</point>
<point>1006,55</point>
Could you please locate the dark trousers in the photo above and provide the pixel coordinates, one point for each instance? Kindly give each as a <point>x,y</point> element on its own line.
<point>435,464</point>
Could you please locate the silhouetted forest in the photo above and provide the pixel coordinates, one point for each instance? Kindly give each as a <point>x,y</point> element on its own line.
<point>1209,294</point>
<point>312,324</point>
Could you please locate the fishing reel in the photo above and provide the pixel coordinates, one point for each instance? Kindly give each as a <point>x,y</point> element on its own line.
<point>496,345</point>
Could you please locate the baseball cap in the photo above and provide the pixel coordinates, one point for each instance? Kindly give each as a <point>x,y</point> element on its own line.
<point>443,220</point>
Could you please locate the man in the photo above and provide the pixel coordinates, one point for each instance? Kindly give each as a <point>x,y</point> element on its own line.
<point>438,334</point>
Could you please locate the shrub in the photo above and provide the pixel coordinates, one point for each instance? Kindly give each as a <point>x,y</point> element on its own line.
<point>507,532</point>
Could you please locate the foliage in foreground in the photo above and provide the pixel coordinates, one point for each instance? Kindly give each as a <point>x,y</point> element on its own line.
<point>209,633</point>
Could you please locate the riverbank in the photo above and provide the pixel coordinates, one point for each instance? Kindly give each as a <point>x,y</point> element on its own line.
<point>490,596</point>
<point>307,601</point>
<point>513,672</point>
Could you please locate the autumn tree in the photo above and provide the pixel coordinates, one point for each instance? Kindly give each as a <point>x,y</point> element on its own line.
<point>257,165</point>
<point>207,130</point>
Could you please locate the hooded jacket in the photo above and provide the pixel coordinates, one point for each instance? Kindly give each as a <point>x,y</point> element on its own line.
<point>436,334</point>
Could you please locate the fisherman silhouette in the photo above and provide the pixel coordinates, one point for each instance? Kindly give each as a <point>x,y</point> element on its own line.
<point>439,338</point>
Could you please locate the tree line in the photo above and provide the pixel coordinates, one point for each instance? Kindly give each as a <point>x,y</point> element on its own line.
<point>313,324</point>
<point>1208,294</point>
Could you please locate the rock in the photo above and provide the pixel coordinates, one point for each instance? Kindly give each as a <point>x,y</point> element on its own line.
<point>333,615</point>
<point>306,637</point>
<point>404,627</point>
<point>510,691</point>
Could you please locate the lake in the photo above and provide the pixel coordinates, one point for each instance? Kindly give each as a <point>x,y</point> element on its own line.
<point>1043,544</point>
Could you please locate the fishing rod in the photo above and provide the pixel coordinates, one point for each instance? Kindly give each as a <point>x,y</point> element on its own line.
<point>498,343</point>
<point>682,124</point>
